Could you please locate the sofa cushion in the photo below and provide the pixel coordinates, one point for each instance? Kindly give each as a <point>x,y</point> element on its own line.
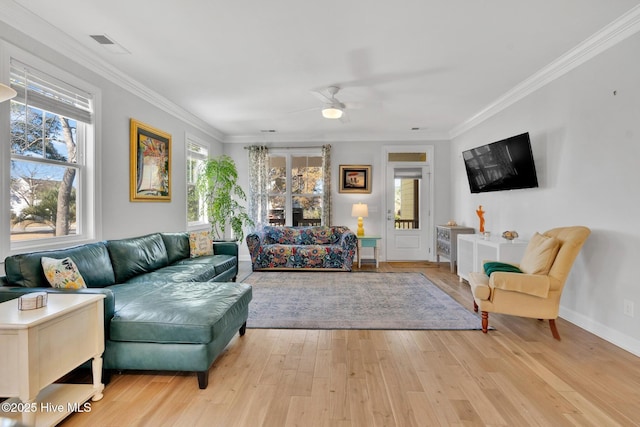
<point>274,235</point>
<point>176,312</point>
<point>92,260</point>
<point>201,269</point>
<point>177,245</point>
<point>175,274</point>
<point>137,255</point>
<point>220,263</point>
<point>300,256</point>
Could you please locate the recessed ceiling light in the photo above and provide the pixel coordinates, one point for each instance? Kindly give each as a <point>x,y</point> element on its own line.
<point>267,130</point>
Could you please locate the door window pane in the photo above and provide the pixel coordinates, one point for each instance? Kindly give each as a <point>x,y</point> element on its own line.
<point>407,203</point>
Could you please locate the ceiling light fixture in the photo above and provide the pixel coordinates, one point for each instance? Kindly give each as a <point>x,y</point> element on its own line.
<point>332,112</point>
<point>6,93</point>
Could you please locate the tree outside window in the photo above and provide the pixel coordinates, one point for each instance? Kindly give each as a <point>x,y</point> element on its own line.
<point>295,189</point>
<point>51,139</point>
<point>44,166</point>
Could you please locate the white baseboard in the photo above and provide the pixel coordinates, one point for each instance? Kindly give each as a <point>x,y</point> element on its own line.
<point>615,337</point>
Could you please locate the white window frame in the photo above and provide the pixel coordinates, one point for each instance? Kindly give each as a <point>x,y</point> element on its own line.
<point>88,191</point>
<point>288,154</point>
<point>203,221</point>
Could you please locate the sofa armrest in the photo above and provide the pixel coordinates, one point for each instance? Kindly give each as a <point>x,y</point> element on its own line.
<point>228,248</point>
<point>348,240</point>
<point>11,292</point>
<point>349,244</point>
<point>255,241</point>
<point>225,248</point>
<point>532,284</point>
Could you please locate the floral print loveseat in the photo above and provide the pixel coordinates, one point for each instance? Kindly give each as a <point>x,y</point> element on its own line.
<point>289,248</point>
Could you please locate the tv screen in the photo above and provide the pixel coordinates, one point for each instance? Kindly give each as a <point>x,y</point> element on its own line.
<point>501,165</point>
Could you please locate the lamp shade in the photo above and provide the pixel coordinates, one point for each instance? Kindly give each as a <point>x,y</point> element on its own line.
<point>6,93</point>
<point>360,210</point>
<point>331,112</point>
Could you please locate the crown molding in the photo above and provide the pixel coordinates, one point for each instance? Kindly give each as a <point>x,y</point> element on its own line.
<point>617,31</point>
<point>18,17</point>
<point>338,137</point>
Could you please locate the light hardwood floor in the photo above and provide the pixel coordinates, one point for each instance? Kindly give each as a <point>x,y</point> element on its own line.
<point>517,375</point>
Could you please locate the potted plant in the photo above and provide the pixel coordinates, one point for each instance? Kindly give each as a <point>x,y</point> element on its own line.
<point>222,196</point>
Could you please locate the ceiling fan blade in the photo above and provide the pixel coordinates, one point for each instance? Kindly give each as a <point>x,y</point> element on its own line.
<point>353,105</point>
<point>304,110</point>
<point>322,97</point>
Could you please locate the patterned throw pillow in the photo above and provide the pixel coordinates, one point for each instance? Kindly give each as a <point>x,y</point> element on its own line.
<point>62,273</point>
<point>200,244</point>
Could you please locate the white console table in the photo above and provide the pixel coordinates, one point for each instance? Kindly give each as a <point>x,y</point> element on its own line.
<point>474,248</point>
<point>40,346</point>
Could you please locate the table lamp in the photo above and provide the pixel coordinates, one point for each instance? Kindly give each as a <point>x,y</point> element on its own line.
<point>360,210</point>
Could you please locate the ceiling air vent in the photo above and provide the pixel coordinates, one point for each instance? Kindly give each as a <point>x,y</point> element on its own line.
<point>102,39</point>
<point>108,43</point>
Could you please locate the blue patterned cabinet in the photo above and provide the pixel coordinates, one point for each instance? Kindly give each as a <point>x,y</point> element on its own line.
<point>446,242</point>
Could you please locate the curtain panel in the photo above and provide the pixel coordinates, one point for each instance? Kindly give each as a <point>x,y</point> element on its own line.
<point>258,189</point>
<point>326,196</point>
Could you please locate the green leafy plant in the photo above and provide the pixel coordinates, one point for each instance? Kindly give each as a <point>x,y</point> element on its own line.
<point>222,196</point>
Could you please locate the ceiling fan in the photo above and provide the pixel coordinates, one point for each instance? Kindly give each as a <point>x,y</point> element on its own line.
<point>333,108</point>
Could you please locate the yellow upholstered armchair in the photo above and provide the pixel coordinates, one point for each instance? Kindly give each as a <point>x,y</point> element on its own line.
<point>535,291</point>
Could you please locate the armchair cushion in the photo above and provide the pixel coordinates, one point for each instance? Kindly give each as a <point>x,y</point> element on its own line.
<point>540,254</point>
<point>531,284</point>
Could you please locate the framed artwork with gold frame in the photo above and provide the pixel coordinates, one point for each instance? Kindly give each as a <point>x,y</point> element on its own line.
<point>150,165</point>
<point>355,179</point>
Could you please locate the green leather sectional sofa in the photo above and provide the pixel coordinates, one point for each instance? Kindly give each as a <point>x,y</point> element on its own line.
<point>163,310</point>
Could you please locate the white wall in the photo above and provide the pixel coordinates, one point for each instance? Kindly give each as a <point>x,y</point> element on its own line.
<point>120,217</point>
<point>362,153</point>
<point>586,145</point>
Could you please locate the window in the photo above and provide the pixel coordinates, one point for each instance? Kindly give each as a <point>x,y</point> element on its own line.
<point>51,125</point>
<point>295,189</point>
<point>197,154</point>
<point>407,197</point>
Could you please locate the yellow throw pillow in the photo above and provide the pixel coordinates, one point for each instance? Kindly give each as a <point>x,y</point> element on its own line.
<point>200,244</point>
<point>62,273</point>
<point>540,254</point>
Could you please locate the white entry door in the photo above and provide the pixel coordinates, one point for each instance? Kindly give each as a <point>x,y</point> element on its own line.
<point>407,212</point>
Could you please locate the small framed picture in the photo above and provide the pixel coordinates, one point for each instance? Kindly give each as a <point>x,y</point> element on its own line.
<point>150,174</point>
<point>355,179</point>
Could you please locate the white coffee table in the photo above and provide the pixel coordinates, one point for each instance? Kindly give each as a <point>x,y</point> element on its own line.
<point>42,345</point>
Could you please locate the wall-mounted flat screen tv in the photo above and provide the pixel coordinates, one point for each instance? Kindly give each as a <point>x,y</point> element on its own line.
<point>501,165</point>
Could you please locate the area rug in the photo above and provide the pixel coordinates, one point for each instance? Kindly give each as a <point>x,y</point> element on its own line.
<point>357,300</point>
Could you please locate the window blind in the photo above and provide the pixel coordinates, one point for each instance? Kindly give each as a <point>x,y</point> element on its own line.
<point>43,91</point>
